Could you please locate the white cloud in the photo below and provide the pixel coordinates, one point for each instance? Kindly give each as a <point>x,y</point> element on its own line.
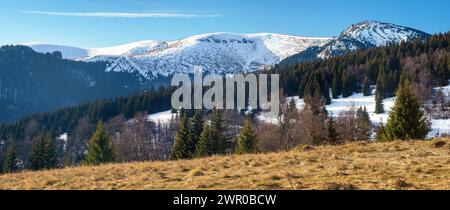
<point>121,14</point>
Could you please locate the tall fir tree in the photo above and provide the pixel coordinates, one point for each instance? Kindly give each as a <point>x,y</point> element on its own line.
<point>43,154</point>
<point>364,125</point>
<point>366,87</point>
<point>379,106</point>
<point>195,131</point>
<point>218,132</point>
<point>332,134</point>
<point>205,146</point>
<point>10,164</point>
<point>180,148</point>
<point>247,139</point>
<point>100,148</point>
<point>407,120</point>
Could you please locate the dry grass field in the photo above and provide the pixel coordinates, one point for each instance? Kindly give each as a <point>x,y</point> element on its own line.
<point>396,165</point>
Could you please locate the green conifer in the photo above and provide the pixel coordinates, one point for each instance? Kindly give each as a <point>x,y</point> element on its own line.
<point>100,149</point>
<point>332,134</point>
<point>11,159</point>
<point>407,120</point>
<point>43,154</point>
<point>247,140</point>
<point>180,148</point>
<point>205,146</point>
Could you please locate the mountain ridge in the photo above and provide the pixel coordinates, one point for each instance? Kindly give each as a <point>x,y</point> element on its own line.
<point>362,35</point>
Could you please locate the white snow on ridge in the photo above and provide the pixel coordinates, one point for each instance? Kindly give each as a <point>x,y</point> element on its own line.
<point>378,33</point>
<point>215,52</point>
<point>85,53</point>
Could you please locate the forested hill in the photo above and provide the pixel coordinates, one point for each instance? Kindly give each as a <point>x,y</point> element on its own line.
<point>424,62</point>
<point>33,82</point>
<point>66,119</point>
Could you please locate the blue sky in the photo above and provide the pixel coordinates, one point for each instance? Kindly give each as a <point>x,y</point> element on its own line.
<point>100,23</point>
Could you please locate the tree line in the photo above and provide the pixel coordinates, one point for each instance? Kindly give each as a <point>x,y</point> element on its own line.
<point>426,62</point>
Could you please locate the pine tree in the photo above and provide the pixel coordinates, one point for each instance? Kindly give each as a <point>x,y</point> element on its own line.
<point>205,146</point>
<point>100,149</point>
<point>11,157</point>
<point>366,87</point>
<point>180,148</point>
<point>195,131</point>
<point>336,88</point>
<point>379,135</point>
<point>247,139</point>
<point>332,134</point>
<point>218,130</point>
<point>364,126</point>
<point>379,106</point>
<point>407,120</point>
<point>43,154</point>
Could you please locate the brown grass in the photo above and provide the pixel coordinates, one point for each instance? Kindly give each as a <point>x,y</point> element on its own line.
<point>396,165</point>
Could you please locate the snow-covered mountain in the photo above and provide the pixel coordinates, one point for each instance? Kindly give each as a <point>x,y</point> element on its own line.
<point>216,52</point>
<point>233,53</point>
<point>362,35</point>
<point>369,34</point>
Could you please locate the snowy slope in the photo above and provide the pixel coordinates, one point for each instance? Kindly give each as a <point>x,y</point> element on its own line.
<point>81,53</point>
<point>438,126</point>
<point>215,52</point>
<point>369,34</point>
<point>342,104</point>
<point>363,35</point>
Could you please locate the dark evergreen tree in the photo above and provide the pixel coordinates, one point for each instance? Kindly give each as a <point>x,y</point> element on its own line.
<point>379,106</point>
<point>180,148</point>
<point>364,125</point>
<point>100,149</point>
<point>205,146</point>
<point>218,132</point>
<point>366,87</point>
<point>379,135</point>
<point>43,154</point>
<point>247,139</point>
<point>332,134</point>
<point>195,131</point>
<point>407,120</point>
<point>10,164</point>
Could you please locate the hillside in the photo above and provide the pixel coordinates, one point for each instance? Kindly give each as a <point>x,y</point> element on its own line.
<point>396,165</point>
<point>227,53</point>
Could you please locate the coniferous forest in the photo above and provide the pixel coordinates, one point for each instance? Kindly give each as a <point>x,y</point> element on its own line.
<point>409,69</point>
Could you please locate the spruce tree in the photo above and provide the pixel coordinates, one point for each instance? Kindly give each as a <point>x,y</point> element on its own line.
<point>247,139</point>
<point>11,157</point>
<point>366,87</point>
<point>100,149</point>
<point>43,154</point>
<point>180,148</point>
<point>195,131</point>
<point>205,146</point>
<point>407,120</point>
<point>379,135</point>
<point>218,130</point>
<point>364,125</point>
<point>332,134</point>
<point>379,106</point>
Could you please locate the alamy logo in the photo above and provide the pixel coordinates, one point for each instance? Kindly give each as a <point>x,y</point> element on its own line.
<point>235,98</point>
